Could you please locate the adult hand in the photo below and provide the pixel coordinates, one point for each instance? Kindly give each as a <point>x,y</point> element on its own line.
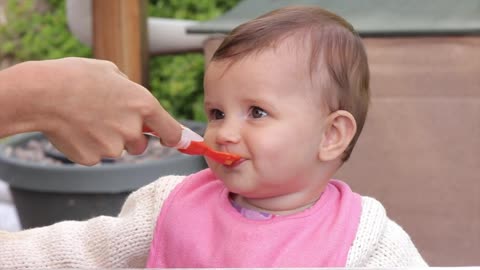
<point>87,108</point>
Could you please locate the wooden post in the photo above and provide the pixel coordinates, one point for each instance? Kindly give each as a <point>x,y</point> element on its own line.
<point>120,35</point>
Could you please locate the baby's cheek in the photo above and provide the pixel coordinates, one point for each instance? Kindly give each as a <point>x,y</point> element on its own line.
<point>270,155</point>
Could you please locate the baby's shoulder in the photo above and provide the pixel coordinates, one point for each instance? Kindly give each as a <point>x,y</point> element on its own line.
<point>381,242</point>
<point>154,193</point>
<point>162,184</point>
<point>372,209</point>
<point>145,203</point>
<point>373,221</point>
<point>168,180</point>
<point>372,224</point>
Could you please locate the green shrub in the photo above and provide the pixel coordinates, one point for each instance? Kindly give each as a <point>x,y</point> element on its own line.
<point>176,80</point>
<point>33,35</point>
<point>178,83</point>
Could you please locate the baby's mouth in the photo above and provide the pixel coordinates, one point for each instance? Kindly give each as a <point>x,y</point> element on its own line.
<point>236,163</point>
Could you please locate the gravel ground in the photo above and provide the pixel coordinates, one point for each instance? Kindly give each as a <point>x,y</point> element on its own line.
<point>41,151</point>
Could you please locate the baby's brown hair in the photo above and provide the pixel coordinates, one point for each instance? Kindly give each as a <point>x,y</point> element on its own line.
<point>333,43</point>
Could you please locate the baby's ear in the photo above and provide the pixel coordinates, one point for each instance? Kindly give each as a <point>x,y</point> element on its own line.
<point>339,130</point>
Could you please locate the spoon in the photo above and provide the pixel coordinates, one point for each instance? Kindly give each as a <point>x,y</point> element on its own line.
<point>192,144</point>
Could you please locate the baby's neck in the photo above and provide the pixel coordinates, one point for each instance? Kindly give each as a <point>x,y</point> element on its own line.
<point>280,205</point>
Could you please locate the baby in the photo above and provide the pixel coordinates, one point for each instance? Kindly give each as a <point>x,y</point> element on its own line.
<point>288,92</point>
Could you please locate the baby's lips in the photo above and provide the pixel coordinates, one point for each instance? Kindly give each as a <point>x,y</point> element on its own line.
<point>223,157</point>
<point>236,162</point>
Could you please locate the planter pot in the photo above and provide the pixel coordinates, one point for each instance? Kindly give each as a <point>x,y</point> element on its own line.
<point>47,193</point>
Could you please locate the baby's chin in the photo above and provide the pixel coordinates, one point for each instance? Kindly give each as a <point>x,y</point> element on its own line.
<point>224,169</point>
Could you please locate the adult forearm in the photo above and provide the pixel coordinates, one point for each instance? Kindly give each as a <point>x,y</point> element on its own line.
<point>19,92</point>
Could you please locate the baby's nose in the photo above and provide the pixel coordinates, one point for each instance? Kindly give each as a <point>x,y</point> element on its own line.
<point>228,132</point>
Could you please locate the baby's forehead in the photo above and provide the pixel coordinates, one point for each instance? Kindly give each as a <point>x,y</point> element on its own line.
<point>292,47</point>
<point>284,67</point>
<point>284,59</point>
<point>301,60</point>
<point>293,52</point>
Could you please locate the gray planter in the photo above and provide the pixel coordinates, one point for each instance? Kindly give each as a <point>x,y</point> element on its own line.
<point>44,194</point>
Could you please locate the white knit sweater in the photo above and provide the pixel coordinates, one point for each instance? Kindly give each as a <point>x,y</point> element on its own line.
<point>124,241</point>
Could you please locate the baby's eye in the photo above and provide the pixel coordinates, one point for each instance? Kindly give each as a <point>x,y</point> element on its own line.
<point>216,114</point>
<point>257,112</point>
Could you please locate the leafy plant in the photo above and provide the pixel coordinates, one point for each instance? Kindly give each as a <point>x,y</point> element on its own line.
<point>178,83</point>
<point>31,34</point>
<point>176,80</point>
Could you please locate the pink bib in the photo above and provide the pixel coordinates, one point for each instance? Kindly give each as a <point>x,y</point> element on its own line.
<point>198,227</point>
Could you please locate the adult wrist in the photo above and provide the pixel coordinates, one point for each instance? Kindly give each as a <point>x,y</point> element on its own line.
<point>13,118</point>
<point>34,92</point>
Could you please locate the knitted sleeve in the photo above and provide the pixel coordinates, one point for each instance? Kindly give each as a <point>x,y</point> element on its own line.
<point>106,242</point>
<point>380,242</point>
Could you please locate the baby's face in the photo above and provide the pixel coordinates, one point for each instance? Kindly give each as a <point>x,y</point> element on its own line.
<point>263,108</point>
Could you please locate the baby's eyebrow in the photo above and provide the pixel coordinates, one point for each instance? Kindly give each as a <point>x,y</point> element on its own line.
<point>255,100</point>
<point>262,103</point>
<point>208,104</point>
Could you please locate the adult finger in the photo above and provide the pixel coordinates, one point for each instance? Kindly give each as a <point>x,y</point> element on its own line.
<point>165,126</point>
<point>137,146</point>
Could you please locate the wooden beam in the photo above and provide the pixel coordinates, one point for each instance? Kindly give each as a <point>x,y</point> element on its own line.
<point>120,36</point>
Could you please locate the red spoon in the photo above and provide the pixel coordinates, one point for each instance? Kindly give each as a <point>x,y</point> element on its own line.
<point>192,144</point>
